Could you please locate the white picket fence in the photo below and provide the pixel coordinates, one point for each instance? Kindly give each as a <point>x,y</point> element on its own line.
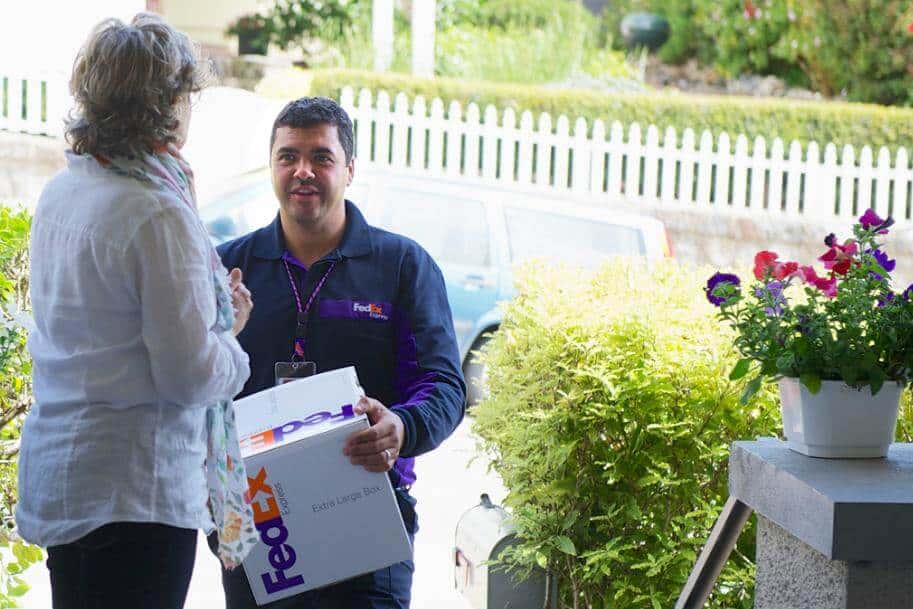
<point>614,165</point>
<point>33,101</point>
<point>606,162</point>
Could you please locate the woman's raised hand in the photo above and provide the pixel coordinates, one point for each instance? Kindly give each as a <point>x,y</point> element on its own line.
<point>240,300</point>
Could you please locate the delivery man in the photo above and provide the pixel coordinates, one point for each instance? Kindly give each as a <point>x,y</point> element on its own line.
<point>332,290</point>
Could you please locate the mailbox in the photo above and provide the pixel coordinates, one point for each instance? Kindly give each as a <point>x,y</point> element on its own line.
<point>482,533</point>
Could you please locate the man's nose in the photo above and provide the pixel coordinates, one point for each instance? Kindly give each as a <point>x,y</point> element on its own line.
<point>303,171</point>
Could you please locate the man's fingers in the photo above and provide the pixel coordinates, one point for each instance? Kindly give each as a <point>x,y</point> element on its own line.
<point>234,277</point>
<point>376,462</point>
<point>372,448</point>
<point>379,437</point>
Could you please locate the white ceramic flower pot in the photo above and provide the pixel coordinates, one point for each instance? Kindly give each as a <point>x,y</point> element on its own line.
<point>839,422</point>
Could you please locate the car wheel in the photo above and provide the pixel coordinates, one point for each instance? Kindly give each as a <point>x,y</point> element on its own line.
<point>476,374</point>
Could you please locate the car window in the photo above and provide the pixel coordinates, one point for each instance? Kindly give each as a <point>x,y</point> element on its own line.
<point>240,212</point>
<point>453,230</point>
<point>579,241</point>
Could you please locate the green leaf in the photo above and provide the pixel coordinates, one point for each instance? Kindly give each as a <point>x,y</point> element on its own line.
<point>876,382</point>
<point>850,374</point>
<point>542,560</point>
<point>564,543</point>
<point>19,587</point>
<point>750,389</point>
<point>811,381</point>
<point>740,370</point>
<point>801,346</point>
<point>569,520</point>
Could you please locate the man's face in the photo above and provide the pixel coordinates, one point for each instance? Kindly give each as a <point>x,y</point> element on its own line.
<point>310,173</point>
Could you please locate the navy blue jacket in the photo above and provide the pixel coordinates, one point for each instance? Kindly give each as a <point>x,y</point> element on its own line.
<point>383,309</point>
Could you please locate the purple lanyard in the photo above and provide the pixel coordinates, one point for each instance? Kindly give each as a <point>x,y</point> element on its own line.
<point>301,327</point>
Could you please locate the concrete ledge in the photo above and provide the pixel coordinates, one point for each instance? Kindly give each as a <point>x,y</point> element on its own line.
<point>791,574</point>
<point>850,510</point>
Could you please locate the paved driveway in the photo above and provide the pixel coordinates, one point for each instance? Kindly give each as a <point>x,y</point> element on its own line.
<point>449,483</point>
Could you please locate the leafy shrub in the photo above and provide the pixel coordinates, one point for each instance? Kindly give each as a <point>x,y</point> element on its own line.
<point>853,47</point>
<point>745,34</point>
<point>841,123</point>
<point>610,419</point>
<point>501,40</point>
<point>15,396</point>
<point>298,23</point>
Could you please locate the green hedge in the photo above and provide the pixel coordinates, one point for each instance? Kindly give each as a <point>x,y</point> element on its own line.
<point>15,396</point>
<point>609,419</point>
<point>841,123</point>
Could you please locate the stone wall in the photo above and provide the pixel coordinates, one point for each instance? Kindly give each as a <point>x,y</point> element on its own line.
<point>725,241</point>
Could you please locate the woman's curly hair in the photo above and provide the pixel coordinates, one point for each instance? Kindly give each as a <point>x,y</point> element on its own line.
<point>125,82</point>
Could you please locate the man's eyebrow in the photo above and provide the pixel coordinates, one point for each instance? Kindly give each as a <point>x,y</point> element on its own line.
<point>287,149</point>
<point>322,151</point>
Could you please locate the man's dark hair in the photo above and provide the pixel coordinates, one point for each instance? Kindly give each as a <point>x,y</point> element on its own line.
<point>310,111</point>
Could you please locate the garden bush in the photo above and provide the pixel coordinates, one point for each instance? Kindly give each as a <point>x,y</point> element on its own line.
<point>609,419</point>
<point>535,41</point>
<point>857,48</point>
<point>15,396</point>
<point>841,123</point>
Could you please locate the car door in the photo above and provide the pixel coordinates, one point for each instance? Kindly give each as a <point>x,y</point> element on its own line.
<point>455,231</point>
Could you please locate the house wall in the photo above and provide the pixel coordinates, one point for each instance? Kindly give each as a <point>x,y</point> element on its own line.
<point>205,20</point>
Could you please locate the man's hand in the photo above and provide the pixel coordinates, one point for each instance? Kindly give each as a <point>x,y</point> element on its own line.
<point>377,447</point>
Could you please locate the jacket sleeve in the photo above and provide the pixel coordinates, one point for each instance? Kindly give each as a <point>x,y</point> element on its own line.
<point>192,363</point>
<point>429,378</point>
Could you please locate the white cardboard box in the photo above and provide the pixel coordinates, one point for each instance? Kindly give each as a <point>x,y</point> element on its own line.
<point>320,518</point>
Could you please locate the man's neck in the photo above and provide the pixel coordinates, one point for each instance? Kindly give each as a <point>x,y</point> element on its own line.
<point>310,244</point>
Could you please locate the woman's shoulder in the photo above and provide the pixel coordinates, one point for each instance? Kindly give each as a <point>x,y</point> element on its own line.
<point>108,205</point>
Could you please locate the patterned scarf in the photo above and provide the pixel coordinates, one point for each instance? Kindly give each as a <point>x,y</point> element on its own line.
<point>226,476</point>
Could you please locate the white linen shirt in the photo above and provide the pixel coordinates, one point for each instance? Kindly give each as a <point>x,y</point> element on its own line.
<point>125,359</point>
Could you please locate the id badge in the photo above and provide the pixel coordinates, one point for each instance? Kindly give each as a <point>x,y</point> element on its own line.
<point>289,371</point>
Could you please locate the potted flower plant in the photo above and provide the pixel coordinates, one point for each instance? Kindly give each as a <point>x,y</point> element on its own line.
<point>839,341</point>
<point>253,32</point>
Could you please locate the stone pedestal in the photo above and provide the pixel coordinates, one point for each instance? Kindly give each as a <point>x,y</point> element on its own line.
<point>832,534</point>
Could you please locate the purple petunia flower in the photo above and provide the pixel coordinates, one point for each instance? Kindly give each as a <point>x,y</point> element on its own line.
<point>830,240</point>
<point>716,280</point>
<point>870,219</point>
<point>884,300</point>
<point>886,263</point>
<point>908,292</point>
<point>773,293</point>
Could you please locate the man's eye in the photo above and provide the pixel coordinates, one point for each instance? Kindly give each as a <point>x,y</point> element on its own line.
<point>285,157</point>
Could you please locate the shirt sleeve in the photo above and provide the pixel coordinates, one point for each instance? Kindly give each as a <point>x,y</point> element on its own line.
<point>429,378</point>
<point>192,362</point>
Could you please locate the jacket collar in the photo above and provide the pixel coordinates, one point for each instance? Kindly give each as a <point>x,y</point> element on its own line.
<point>269,244</point>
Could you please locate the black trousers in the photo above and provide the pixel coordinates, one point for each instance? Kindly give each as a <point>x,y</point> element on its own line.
<point>124,565</point>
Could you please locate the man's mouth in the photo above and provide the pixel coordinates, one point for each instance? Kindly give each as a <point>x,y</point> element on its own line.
<point>304,191</point>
